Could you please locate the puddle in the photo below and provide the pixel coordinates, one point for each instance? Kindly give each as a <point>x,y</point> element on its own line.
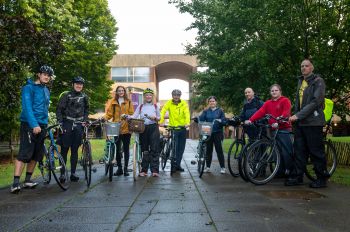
<point>292,194</point>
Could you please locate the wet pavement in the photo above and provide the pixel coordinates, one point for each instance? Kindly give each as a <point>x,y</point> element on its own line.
<point>182,202</point>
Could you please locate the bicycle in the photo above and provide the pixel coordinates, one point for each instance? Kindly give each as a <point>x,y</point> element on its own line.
<point>112,131</point>
<point>171,149</point>
<point>331,156</point>
<point>263,158</point>
<point>53,162</point>
<point>86,158</point>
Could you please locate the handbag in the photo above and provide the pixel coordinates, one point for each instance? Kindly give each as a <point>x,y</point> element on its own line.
<point>136,125</point>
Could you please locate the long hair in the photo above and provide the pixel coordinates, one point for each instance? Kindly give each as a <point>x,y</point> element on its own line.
<point>125,93</point>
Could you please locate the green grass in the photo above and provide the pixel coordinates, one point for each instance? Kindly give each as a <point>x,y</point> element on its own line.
<point>340,139</point>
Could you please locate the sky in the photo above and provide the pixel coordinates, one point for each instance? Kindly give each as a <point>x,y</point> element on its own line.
<point>153,27</point>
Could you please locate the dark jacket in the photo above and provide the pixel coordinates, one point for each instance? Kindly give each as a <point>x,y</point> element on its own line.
<point>249,108</point>
<point>209,115</point>
<point>73,105</point>
<point>35,104</point>
<point>310,113</point>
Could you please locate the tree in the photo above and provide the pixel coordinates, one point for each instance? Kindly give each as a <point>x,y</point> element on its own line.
<point>259,43</point>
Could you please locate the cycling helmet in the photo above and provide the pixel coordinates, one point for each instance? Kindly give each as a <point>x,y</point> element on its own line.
<point>148,90</point>
<point>46,69</point>
<point>78,79</point>
<point>176,92</point>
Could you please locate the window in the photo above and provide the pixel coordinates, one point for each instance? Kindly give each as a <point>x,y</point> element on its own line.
<point>131,74</point>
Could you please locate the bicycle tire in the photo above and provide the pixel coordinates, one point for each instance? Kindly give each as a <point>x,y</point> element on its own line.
<point>172,159</point>
<point>165,155</point>
<point>58,168</point>
<point>87,162</point>
<point>331,158</point>
<point>44,167</point>
<point>233,157</point>
<point>262,162</point>
<point>110,161</point>
<point>202,159</point>
<point>134,162</point>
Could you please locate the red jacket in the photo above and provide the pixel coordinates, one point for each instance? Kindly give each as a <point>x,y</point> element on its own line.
<point>277,108</point>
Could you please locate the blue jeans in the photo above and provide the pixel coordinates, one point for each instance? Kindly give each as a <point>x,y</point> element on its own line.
<point>180,143</point>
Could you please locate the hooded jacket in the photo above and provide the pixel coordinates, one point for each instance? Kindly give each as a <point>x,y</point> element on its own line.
<point>249,108</point>
<point>35,104</point>
<point>210,115</point>
<point>74,106</point>
<point>179,114</point>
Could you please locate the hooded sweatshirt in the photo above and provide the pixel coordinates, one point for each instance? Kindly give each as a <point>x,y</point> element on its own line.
<point>35,104</point>
<point>277,108</point>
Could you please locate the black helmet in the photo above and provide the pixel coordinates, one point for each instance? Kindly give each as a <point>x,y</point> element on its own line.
<point>46,69</point>
<point>78,79</point>
<point>176,92</point>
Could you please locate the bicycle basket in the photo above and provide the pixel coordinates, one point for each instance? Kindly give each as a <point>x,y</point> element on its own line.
<point>205,128</point>
<point>112,128</point>
<point>136,125</point>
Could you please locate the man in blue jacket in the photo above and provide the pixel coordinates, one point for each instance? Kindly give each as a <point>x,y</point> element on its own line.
<point>34,119</point>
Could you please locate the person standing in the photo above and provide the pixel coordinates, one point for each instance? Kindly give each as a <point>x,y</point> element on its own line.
<point>34,119</point>
<point>209,115</point>
<point>72,110</point>
<point>118,110</point>
<point>149,139</point>
<point>179,116</point>
<point>309,120</point>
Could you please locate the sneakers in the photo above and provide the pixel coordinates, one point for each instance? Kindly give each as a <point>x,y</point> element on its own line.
<point>206,170</point>
<point>180,169</point>
<point>155,174</point>
<point>143,174</point>
<point>293,181</point>
<point>119,172</point>
<point>74,178</point>
<point>30,184</point>
<point>15,188</point>
<point>319,183</point>
<point>223,170</point>
<point>126,173</point>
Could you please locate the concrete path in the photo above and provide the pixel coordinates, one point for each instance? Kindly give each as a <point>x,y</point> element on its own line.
<point>183,202</point>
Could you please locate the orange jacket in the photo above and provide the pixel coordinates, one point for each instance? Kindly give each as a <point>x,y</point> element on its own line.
<point>125,108</point>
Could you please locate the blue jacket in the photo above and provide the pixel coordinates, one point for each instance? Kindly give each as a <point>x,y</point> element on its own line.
<point>35,104</point>
<point>209,115</point>
<point>249,108</point>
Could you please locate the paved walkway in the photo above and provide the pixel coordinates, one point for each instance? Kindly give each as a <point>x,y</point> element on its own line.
<point>183,202</point>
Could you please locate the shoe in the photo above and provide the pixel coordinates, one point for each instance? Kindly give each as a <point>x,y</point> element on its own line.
<point>15,188</point>
<point>143,174</point>
<point>29,184</point>
<point>206,170</point>
<point>126,173</point>
<point>62,179</point>
<point>119,172</point>
<point>155,174</point>
<point>223,170</point>
<point>74,177</point>
<point>318,183</point>
<point>293,181</point>
<point>180,169</point>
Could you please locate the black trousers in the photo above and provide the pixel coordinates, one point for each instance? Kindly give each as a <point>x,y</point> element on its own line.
<point>125,139</point>
<point>216,140</point>
<point>149,141</point>
<point>308,141</point>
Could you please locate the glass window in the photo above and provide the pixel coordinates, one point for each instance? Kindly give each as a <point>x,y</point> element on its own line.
<point>141,78</point>
<point>119,72</point>
<point>131,74</point>
<point>120,79</point>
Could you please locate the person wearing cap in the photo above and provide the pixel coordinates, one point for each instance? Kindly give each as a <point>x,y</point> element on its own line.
<point>119,108</point>
<point>72,110</point>
<point>149,139</point>
<point>179,116</point>
<point>35,98</point>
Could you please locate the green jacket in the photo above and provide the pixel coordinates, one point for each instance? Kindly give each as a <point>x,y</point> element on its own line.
<point>179,115</point>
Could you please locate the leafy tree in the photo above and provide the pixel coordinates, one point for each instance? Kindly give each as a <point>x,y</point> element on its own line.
<point>259,43</point>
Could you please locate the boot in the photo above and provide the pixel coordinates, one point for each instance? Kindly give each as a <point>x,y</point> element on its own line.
<point>119,171</point>
<point>126,173</point>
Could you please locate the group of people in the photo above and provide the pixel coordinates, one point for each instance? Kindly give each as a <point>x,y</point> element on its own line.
<point>73,106</point>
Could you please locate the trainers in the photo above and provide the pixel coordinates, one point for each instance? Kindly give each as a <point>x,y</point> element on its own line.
<point>143,174</point>
<point>119,172</point>
<point>74,178</point>
<point>319,183</point>
<point>29,184</point>
<point>155,174</point>
<point>15,188</point>
<point>207,169</point>
<point>293,181</point>
<point>223,170</point>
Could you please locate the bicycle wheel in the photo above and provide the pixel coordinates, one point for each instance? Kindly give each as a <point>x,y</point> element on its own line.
<point>172,159</point>
<point>241,159</point>
<point>113,151</point>
<point>201,158</point>
<point>87,162</point>
<point>164,155</point>
<point>134,161</point>
<point>233,157</point>
<point>262,162</point>
<point>331,158</point>
<point>58,168</point>
<point>44,167</point>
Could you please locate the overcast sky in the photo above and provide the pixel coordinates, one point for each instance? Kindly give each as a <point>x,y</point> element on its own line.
<point>150,27</point>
